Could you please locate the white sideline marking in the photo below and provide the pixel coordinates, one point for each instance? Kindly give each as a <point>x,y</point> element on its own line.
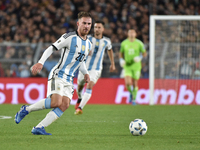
<point>5,117</point>
<point>90,121</point>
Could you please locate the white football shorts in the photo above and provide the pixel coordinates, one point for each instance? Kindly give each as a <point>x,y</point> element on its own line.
<point>61,87</point>
<point>94,76</point>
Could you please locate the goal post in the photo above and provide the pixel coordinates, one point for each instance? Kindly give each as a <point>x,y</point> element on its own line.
<point>174,42</point>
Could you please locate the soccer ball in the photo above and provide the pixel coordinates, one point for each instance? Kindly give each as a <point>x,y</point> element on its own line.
<point>138,127</point>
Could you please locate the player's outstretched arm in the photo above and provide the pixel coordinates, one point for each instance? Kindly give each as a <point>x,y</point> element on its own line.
<point>38,66</point>
<point>85,72</point>
<point>111,57</point>
<point>46,54</point>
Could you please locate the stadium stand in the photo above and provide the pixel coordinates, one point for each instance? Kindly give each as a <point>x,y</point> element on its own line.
<point>26,25</point>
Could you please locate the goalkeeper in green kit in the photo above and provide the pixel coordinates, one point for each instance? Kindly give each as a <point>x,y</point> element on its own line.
<point>132,51</point>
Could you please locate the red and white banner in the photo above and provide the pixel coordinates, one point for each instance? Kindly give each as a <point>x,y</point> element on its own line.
<point>106,91</point>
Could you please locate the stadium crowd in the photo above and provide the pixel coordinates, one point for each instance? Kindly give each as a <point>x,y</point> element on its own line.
<point>35,21</point>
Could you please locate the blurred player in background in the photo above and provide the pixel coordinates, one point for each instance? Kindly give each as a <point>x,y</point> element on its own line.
<point>94,65</point>
<point>131,53</point>
<point>75,47</point>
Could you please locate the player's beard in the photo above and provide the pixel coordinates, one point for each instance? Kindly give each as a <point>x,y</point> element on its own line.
<point>85,32</point>
<point>97,33</point>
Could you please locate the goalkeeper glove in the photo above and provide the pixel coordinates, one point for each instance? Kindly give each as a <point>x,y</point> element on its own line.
<point>137,59</point>
<point>122,62</point>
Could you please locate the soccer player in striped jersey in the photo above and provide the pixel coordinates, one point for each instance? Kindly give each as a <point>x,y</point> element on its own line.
<point>75,47</point>
<point>94,64</point>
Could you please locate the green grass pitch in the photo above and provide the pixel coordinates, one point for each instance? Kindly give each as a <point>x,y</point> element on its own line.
<point>104,127</point>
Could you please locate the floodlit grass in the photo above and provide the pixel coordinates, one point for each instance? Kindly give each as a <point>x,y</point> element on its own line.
<point>104,127</point>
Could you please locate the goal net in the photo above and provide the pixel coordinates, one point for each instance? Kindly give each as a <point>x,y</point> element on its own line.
<point>174,60</point>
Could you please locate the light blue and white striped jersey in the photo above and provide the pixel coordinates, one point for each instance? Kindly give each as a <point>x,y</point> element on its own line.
<point>74,51</point>
<point>94,62</point>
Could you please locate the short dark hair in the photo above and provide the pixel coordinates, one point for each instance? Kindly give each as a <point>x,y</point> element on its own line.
<point>84,14</point>
<point>99,21</point>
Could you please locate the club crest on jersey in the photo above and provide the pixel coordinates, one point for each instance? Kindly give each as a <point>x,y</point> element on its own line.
<point>97,43</point>
<point>58,87</point>
<point>59,41</point>
<point>103,44</point>
<point>83,47</point>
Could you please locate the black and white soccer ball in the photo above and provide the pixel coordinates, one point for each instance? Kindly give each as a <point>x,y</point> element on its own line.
<point>138,127</point>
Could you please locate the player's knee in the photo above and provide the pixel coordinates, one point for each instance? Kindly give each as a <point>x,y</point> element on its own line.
<point>56,100</point>
<point>58,103</point>
<point>135,82</point>
<point>128,84</point>
<point>64,105</point>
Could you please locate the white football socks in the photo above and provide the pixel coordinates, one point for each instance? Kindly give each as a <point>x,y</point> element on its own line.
<point>37,106</point>
<point>86,97</point>
<point>52,116</point>
<point>42,104</point>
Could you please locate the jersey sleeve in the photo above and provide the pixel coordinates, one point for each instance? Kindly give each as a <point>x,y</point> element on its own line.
<point>61,42</point>
<point>46,55</point>
<point>89,37</point>
<point>83,68</point>
<point>122,47</point>
<point>142,48</point>
<point>109,46</point>
<point>90,46</point>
